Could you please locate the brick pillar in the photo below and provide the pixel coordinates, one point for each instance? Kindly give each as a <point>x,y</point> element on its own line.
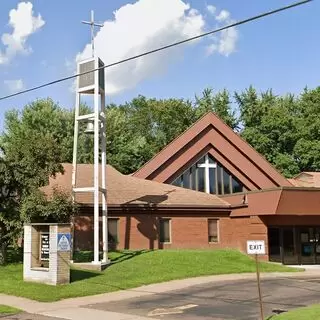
<point>59,260</point>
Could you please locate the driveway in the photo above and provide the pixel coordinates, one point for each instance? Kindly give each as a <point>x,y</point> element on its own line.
<point>237,299</point>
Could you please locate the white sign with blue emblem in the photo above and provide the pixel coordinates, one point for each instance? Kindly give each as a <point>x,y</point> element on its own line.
<point>64,241</point>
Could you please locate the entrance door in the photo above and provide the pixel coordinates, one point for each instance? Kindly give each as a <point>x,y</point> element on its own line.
<point>274,240</point>
<point>289,248</point>
<point>309,245</point>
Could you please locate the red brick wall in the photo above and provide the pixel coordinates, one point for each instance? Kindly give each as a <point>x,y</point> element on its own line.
<point>140,231</point>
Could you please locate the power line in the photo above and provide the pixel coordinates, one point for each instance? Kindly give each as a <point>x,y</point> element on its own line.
<point>262,15</point>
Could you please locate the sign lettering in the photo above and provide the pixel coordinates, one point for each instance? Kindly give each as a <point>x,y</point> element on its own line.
<point>256,247</point>
<point>44,246</point>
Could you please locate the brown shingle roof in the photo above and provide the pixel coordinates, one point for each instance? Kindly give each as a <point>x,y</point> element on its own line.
<point>306,179</point>
<point>123,190</point>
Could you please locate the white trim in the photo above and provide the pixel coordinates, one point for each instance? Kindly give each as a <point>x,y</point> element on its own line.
<point>84,189</point>
<point>87,60</point>
<point>86,88</point>
<point>85,117</point>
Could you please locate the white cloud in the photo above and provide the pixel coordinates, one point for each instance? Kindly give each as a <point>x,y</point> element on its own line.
<point>143,26</point>
<point>140,27</point>
<point>24,23</point>
<point>212,9</point>
<point>224,15</point>
<point>14,85</point>
<point>226,43</point>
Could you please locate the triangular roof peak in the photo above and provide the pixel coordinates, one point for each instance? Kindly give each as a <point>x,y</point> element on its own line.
<point>307,179</point>
<point>211,135</point>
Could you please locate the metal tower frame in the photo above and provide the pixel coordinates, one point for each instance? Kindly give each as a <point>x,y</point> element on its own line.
<point>93,84</point>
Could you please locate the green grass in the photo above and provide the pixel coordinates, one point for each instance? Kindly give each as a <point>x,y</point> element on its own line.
<point>307,313</point>
<point>6,310</point>
<point>132,269</point>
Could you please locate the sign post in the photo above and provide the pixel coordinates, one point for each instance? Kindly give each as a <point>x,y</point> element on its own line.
<point>257,247</point>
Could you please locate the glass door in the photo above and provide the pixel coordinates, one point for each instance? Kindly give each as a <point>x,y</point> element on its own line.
<point>307,245</point>
<point>274,244</point>
<point>290,253</point>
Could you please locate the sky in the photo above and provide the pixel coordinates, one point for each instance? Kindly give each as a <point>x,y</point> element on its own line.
<point>42,40</point>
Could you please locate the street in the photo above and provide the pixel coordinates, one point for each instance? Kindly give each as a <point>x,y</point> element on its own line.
<point>222,300</point>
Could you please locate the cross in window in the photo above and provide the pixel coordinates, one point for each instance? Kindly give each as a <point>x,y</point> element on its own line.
<point>207,165</point>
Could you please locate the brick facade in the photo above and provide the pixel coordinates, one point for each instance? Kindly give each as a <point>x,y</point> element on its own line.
<point>188,231</point>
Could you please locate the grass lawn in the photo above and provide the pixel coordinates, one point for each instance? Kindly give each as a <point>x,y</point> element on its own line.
<point>5,310</point>
<point>132,269</point>
<point>308,313</point>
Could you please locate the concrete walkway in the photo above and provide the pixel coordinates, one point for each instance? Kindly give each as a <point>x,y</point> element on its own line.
<point>77,308</point>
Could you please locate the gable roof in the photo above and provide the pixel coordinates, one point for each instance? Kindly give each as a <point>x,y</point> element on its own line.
<point>211,135</point>
<point>306,179</point>
<point>126,191</point>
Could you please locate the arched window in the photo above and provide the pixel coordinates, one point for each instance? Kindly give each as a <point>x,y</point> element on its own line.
<point>209,176</point>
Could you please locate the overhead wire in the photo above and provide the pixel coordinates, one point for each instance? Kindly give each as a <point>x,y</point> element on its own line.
<point>177,43</point>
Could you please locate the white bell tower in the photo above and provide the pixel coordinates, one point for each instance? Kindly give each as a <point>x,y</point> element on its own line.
<point>93,83</point>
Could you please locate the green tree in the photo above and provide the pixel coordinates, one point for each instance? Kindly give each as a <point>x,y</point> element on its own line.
<point>269,125</point>
<point>218,103</point>
<point>45,117</point>
<point>307,116</point>
<point>40,207</point>
<point>139,129</point>
<point>126,148</point>
<point>30,152</point>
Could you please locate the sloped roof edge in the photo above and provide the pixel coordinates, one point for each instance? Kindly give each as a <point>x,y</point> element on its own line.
<point>123,190</point>
<point>228,134</point>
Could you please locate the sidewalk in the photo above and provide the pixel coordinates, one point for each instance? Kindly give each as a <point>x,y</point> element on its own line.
<point>75,308</point>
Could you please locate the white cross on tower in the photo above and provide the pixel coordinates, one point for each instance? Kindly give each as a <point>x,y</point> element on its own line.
<point>92,24</point>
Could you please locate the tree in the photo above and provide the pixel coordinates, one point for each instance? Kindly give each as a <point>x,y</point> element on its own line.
<point>283,129</point>
<point>45,117</point>
<point>30,152</point>
<point>307,121</point>
<point>218,103</point>
<point>268,125</point>
<point>139,129</point>
<point>127,149</point>
<point>41,207</point>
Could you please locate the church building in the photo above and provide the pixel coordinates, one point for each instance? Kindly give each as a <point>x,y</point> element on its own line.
<point>207,189</point>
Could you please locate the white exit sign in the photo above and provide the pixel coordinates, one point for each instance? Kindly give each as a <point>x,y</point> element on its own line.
<point>256,247</point>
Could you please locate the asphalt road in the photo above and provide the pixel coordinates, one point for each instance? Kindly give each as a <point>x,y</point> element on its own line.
<point>222,300</point>
<point>28,316</point>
